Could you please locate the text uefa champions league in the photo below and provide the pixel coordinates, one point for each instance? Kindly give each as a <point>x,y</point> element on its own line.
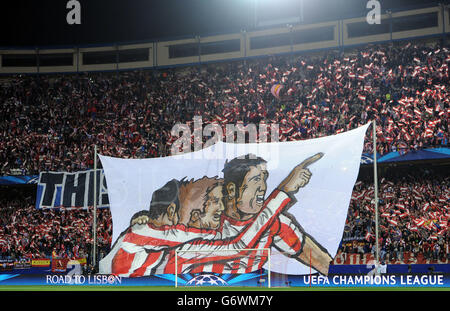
<point>384,280</point>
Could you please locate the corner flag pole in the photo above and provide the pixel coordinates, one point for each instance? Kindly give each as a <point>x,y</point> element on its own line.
<point>94,226</point>
<point>375,177</point>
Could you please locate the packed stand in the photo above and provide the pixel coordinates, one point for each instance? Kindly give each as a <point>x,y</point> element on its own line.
<point>413,217</point>
<point>27,232</point>
<point>51,122</point>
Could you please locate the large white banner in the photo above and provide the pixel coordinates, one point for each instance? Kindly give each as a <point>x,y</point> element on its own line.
<point>321,204</point>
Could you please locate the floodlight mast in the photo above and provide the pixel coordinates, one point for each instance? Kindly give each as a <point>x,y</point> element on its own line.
<point>375,177</point>
<point>94,225</point>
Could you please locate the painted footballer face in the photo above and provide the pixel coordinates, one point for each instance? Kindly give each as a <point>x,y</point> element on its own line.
<point>201,199</point>
<point>212,209</point>
<point>253,190</point>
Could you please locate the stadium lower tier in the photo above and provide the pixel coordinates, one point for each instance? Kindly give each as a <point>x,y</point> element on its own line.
<point>413,218</point>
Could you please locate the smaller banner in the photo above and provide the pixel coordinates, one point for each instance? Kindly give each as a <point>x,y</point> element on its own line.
<point>78,261</point>
<point>59,265</point>
<point>6,265</point>
<point>40,262</point>
<point>71,190</point>
<point>367,259</point>
<point>22,264</point>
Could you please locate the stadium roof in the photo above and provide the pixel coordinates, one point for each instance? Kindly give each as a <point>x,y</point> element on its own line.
<point>43,23</point>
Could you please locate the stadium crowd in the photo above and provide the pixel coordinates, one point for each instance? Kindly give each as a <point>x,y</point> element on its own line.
<point>413,217</point>
<point>51,122</point>
<point>27,232</point>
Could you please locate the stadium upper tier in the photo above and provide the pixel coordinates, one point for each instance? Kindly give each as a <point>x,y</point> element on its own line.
<point>51,122</point>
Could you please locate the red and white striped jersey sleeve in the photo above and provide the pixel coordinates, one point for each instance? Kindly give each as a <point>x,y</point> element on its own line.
<point>251,234</point>
<point>144,249</point>
<point>290,237</point>
<point>141,248</point>
<point>231,248</point>
<point>106,262</point>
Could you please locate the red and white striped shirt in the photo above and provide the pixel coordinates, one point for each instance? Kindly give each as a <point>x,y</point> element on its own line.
<point>145,250</point>
<point>284,234</point>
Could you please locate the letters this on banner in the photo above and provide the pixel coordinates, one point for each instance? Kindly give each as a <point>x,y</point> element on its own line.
<point>71,190</point>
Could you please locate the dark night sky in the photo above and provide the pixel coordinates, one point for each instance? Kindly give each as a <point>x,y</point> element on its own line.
<point>43,22</point>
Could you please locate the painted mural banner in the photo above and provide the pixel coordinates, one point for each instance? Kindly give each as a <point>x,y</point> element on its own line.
<point>213,210</point>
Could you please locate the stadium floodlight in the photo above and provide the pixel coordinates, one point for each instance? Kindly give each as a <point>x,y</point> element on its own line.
<point>271,13</point>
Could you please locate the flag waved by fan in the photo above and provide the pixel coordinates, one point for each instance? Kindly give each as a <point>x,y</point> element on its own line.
<point>275,90</point>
